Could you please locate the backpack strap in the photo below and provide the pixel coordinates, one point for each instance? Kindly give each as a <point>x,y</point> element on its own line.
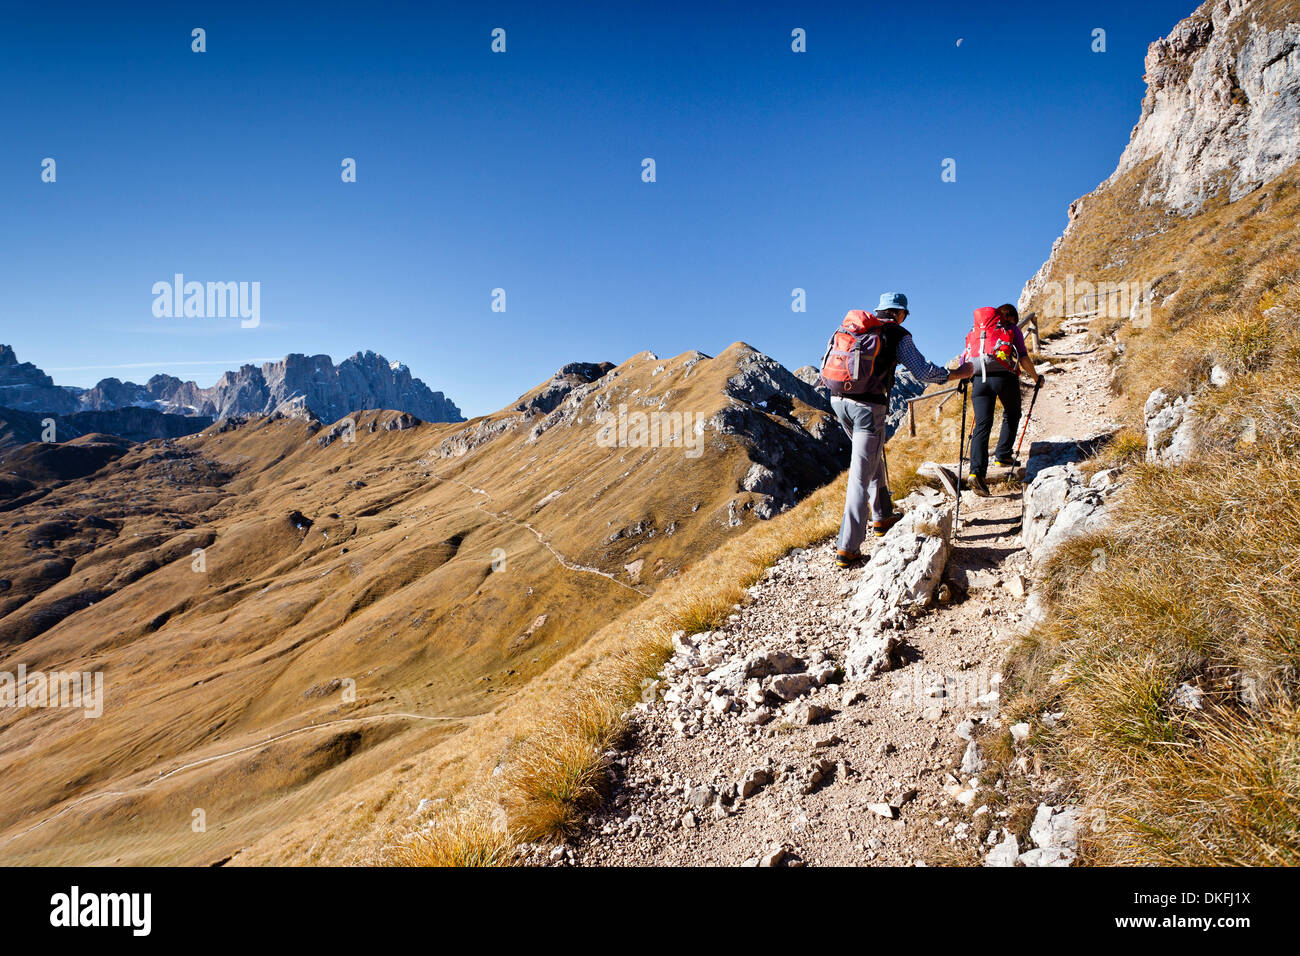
<point>830,347</point>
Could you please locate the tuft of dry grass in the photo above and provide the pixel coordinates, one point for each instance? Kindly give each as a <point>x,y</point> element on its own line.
<point>469,834</point>
<point>1127,447</point>
<point>708,607</point>
<point>1240,785</point>
<point>557,773</point>
<point>1238,341</point>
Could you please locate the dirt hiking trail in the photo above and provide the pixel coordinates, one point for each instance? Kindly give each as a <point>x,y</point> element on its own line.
<point>858,773</point>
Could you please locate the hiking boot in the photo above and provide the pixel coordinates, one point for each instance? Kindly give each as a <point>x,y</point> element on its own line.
<point>878,528</point>
<point>977,485</point>
<point>846,559</point>
<point>1007,462</point>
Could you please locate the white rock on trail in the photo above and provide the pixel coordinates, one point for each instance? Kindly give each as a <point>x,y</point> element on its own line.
<point>972,761</point>
<point>808,713</point>
<point>753,781</point>
<point>1059,505</point>
<point>1053,827</point>
<point>978,579</point>
<point>901,576</point>
<point>966,729</point>
<point>790,686</point>
<point>773,857</point>
<point>1005,853</point>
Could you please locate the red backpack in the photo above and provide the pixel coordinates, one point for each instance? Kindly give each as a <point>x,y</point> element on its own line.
<point>993,337</point>
<point>849,365</point>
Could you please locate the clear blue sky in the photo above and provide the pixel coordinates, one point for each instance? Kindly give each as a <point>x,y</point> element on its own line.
<point>522,170</point>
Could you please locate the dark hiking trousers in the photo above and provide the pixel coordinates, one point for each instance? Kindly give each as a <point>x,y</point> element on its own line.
<point>868,494</point>
<point>999,386</point>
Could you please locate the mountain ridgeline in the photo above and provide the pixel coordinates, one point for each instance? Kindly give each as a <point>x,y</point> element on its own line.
<point>309,386</point>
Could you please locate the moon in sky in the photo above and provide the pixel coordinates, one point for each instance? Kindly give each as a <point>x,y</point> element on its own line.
<point>959,39</point>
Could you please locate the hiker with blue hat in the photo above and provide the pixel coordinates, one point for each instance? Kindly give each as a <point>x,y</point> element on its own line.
<point>858,369</point>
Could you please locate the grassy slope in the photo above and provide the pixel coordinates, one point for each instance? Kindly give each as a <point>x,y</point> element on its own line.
<point>392,585</point>
<point>1200,579</point>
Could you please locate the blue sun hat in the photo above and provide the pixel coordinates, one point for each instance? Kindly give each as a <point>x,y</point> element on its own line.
<point>892,300</point>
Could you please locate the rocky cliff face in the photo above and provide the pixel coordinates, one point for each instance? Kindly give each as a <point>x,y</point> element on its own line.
<point>547,397</point>
<point>1223,93</point>
<point>299,385</point>
<point>1219,115</point>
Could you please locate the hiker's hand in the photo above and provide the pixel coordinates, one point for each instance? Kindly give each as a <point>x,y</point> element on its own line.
<point>1039,382</point>
<point>963,371</point>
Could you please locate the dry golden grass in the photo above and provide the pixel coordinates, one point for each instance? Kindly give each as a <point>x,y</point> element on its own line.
<point>558,771</point>
<point>1222,802</point>
<point>1239,341</point>
<point>1197,578</point>
<point>1127,447</point>
<point>396,585</point>
<point>470,834</point>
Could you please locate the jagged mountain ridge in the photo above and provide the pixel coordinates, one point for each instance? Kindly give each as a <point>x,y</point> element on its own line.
<point>299,385</point>
<point>26,388</point>
<point>906,386</point>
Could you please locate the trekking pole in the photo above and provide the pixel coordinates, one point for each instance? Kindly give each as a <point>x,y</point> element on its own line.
<point>961,457</point>
<point>1038,383</point>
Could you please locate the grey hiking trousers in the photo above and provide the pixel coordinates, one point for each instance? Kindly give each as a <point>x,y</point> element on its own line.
<point>868,497</point>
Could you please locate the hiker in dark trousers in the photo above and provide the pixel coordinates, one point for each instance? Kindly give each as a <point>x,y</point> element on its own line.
<point>863,415</point>
<point>996,379</point>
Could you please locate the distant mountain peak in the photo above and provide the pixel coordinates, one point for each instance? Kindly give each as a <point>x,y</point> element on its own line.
<point>24,383</point>
<point>297,384</point>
